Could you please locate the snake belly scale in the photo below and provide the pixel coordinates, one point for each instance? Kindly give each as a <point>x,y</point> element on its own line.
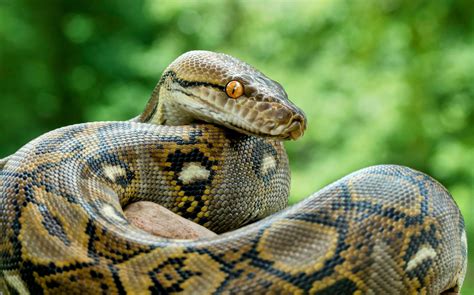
<point>208,147</point>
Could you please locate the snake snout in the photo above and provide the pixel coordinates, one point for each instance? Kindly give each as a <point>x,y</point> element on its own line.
<point>285,122</point>
<point>296,127</point>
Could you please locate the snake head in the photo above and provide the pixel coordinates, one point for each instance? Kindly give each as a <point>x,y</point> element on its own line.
<point>221,89</point>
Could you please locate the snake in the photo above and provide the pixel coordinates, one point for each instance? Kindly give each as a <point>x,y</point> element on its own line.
<point>209,147</point>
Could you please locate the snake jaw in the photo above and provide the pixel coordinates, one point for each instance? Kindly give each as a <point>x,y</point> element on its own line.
<point>271,119</point>
<point>251,118</point>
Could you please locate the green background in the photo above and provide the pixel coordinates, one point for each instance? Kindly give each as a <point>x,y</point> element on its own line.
<point>387,81</point>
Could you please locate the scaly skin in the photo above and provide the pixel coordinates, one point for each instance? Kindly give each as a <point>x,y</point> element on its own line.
<point>383,229</point>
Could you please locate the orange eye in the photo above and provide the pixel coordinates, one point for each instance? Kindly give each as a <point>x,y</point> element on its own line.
<point>234,89</point>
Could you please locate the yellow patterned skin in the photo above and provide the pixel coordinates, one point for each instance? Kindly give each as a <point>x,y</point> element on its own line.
<point>381,230</point>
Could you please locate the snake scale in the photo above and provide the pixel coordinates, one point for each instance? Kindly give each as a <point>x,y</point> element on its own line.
<point>209,147</point>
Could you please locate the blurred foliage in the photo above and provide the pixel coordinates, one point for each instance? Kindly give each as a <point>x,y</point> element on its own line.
<point>387,81</point>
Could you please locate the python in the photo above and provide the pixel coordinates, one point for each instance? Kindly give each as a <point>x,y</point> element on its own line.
<point>208,146</point>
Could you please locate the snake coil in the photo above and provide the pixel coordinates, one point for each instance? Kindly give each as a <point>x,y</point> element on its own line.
<point>208,146</point>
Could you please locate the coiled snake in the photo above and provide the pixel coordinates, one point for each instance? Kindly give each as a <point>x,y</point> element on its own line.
<point>384,229</point>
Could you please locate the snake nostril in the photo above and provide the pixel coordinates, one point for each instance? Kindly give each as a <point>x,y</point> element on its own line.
<point>300,119</point>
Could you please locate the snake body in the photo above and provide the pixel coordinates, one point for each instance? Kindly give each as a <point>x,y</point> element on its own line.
<point>383,229</point>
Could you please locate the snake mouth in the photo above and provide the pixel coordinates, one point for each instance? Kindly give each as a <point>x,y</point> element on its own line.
<point>280,122</point>
<point>295,128</point>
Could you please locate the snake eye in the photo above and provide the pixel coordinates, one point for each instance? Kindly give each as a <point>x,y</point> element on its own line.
<point>234,89</point>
